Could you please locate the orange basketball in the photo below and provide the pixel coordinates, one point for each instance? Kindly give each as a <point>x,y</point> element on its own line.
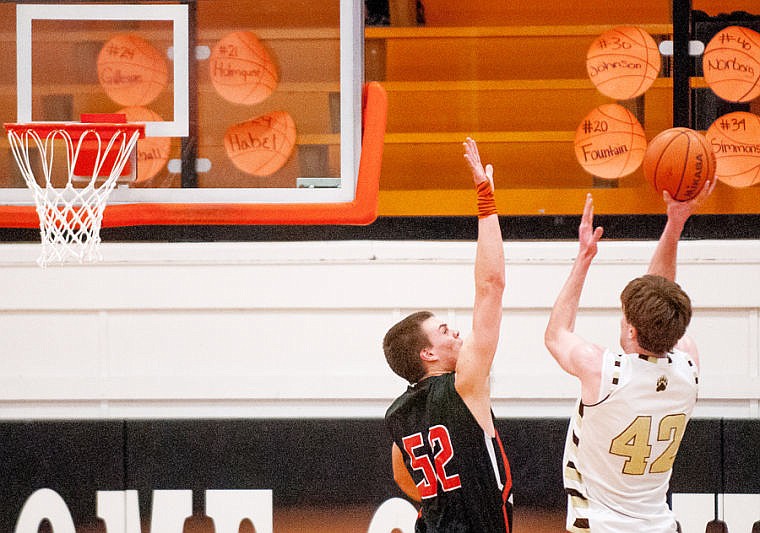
<point>241,69</point>
<point>735,141</point>
<point>152,152</point>
<point>731,64</point>
<point>262,145</point>
<point>679,160</point>
<point>610,142</point>
<point>623,62</point>
<point>131,70</point>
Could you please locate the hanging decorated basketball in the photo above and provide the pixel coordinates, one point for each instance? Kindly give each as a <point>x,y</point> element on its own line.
<point>131,70</point>
<point>735,141</point>
<point>152,152</point>
<point>623,62</point>
<point>731,64</point>
<point>241,69</point>
<point>610,142</point>
<point>262,145</point>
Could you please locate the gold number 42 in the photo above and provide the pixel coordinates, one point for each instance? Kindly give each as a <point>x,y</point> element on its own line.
<point>633,443</point>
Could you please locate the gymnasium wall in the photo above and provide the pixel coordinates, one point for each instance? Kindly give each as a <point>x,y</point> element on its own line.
<point>254,369</point>
<point>294,329</point>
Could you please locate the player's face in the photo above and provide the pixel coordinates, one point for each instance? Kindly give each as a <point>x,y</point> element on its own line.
<point>444,340</point>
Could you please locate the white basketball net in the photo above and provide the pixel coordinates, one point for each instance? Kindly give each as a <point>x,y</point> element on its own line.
<point>70,217</point>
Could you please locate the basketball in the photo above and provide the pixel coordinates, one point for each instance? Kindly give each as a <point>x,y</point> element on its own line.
<point>131,70</point>
<point>623,62</point>
<point>731,64</point>
<point>610,142</point>
<point>735,141</point>
<point>241,69</point>
<point>152,152</point>
<point>262,145</point>
<point>680,161</point>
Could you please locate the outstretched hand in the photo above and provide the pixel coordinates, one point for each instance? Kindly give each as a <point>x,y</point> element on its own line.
<point>479,173</point>
<point>588,236</point>
<point>681,211</point>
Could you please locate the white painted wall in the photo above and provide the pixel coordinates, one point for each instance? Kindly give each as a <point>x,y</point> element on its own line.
<point>294,329</point>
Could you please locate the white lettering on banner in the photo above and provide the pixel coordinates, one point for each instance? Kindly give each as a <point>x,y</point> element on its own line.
<point>120,511</point>
<point>45,504</point>
<point>396,514</point>
<point>227,508</point>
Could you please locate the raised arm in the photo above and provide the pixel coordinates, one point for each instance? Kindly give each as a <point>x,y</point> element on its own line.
<point>665,256</point>
<point>478,350</point>
<point>575,355</point>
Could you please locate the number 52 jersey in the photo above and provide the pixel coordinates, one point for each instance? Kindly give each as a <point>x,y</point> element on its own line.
<point>462,475</point>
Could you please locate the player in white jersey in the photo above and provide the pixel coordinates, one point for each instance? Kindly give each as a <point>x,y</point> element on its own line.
<point>632,413</point>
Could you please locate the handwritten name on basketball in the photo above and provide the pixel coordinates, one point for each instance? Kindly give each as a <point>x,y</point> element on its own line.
<point>151,154</point>
<point>620,64</point>
<point>723,147</point>
<point>729,64</point>
<point>596,154</point>
<point>221,69</point>
<point>252,139</point>
<point>109,76</point>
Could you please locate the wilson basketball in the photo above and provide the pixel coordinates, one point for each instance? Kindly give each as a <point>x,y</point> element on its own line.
<point>131,70</point>
<point>680,161</point>
<point>262,145</point>
<point>623,62</point>
<point>241,69</point>
<point>735,141</point>
<point>731,64</point>
<point>610,142</point>
<point>152,152</point>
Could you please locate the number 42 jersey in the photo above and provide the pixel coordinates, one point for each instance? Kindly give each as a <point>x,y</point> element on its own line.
<point>462,474</point>
<point>619,452</point>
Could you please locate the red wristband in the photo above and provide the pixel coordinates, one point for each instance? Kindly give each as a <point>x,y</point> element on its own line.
<point>486,201</point>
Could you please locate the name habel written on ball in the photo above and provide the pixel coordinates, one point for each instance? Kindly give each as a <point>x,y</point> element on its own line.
<point>248,141</point>
<point>599,154</point>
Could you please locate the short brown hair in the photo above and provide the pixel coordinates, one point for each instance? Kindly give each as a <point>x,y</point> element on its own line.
<point>402,345</point>
<point>659,310</point>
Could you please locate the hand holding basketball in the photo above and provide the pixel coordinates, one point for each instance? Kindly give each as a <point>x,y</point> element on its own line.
<point>680,211</point>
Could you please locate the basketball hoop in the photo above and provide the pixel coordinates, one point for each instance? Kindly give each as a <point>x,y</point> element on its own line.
<point>98,155</point>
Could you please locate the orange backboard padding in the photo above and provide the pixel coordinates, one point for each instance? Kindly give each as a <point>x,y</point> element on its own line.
<point>361,211</point>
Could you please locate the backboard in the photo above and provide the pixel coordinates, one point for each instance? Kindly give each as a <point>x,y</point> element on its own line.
<point>253,114</point>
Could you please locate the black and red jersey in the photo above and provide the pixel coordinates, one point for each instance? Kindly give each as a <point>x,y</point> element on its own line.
<point>462,474</point>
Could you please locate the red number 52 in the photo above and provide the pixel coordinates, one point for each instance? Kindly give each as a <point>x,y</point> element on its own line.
<point>432,471</point>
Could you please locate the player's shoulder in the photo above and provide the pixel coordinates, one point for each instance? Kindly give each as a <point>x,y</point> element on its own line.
<point>588,359</point>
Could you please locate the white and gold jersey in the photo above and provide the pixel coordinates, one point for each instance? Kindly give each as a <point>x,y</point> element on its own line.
<point>620,451</point>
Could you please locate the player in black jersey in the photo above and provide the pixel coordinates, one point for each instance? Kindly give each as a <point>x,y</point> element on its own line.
<point>446,451</point>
